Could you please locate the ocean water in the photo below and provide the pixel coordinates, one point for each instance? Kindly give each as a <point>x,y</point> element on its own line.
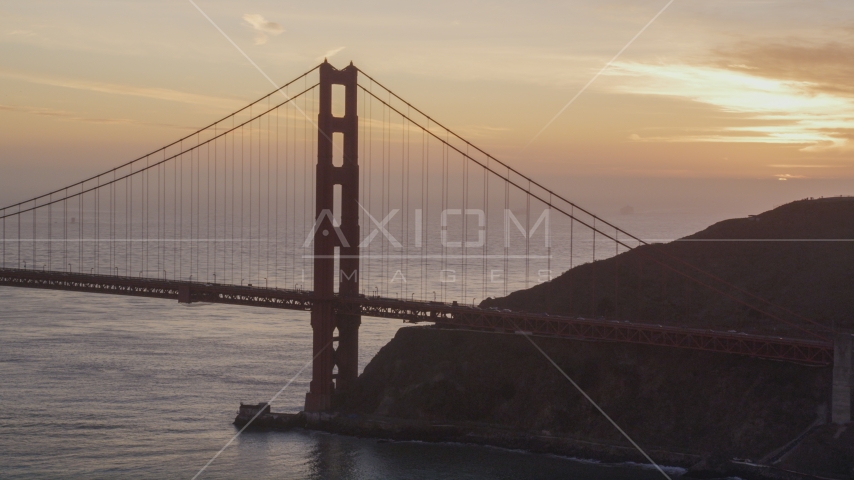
<point>97,386</point>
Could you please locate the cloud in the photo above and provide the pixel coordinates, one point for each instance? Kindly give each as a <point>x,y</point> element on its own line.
<point>481,131</point>
<point>825,67</point>
<point>147,92</point>
<point>741,65</point>
<point>263,27</point>
<point>782,111</point>
<point>329,54</point>
<point>800,166</point>
<point>786,176</point>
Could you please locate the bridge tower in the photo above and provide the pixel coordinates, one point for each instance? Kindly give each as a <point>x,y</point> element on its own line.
<point>333,350</point>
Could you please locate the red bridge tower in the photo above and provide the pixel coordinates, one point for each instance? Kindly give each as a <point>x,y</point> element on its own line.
<point>328,356</point>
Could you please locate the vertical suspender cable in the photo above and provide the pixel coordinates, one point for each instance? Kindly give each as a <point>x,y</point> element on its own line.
<point>464,239</point>
<point>181,217</point>
<point>292,146</point>
<point>159,243</point>
<point>163,217</point>
<point>406,196</point>
<point>549,240</point>
<point>616,273</point>
<point>109,227</point>
<point>362,174</point>
<point>113,223</point>
<point>260,153</point>
<point>310,171</point>
<point>35,221</point>
<point>276,244</point>
<point>485,259</point>
<point>242,185</point>
<point>226,230</point>
<point>384,198</point>
<point>198,150</point>
<point>387,194</point>
<point>444,220</point>
<point>143,218</point>
<point>251,139</point>
<point>593,274</point>
<point>146,208</point>
<point>19,236</point>
<point>64,232</point>
<point>466,193</point>
<point>97,197</point>
<point>176,263</point>
<point>260,191</point>
<point>79,232</point>
<point>506,228</point>
<point>193,151</point>
<point>404,225</point>
<point>129,224</point>
<point>49,231</point>
<point>425,204</point>
<point>208,211</point>
<point>369,176</point>
<point>269,172</point>
<point>289,247</point>
<point>404,192</point>
<point>304,173</point>
<point>527,233</point>
<point>362,140</point>
<point>196,214</point>
<point>446,186</point>
<point>233,180</point>
<point>571,253</point>
<point>216,189</point>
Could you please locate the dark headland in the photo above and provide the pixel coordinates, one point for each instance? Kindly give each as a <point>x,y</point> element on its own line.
<point>710,413</point>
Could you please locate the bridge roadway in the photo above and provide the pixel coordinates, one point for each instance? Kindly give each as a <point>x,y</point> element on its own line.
<point>443,314</point>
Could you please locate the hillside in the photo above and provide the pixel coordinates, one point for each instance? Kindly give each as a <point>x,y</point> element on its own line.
<point>799,257</point>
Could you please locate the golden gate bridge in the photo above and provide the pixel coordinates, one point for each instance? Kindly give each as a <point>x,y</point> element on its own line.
<point>334,195</point>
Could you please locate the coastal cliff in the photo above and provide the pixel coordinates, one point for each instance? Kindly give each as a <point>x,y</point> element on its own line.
<point>687,405</point>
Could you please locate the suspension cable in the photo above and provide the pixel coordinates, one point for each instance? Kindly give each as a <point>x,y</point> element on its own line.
<point>176,142</point>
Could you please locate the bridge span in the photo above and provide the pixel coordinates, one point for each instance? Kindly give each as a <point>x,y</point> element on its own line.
<point>452,315</point>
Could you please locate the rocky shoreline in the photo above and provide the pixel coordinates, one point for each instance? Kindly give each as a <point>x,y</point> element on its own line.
<point>392,429</point>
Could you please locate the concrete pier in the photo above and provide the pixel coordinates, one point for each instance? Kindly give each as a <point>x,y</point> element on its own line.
<point>840,408</point>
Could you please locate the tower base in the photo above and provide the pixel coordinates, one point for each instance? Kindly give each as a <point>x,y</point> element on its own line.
<point>318,402</point>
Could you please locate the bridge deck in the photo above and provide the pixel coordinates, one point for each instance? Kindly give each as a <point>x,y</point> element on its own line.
<point>787,349</point>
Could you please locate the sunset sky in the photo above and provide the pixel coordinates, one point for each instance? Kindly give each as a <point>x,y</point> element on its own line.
<point>742,103</point>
